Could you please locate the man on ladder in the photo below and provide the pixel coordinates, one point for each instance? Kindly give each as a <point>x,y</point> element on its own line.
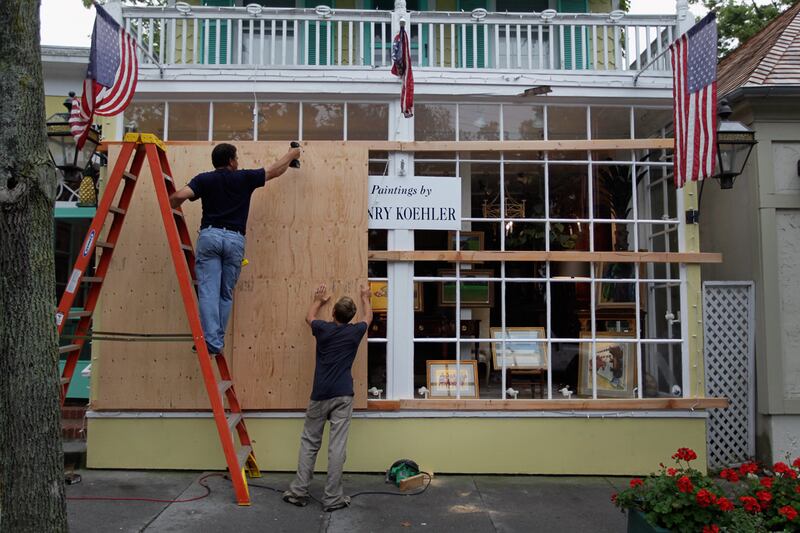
<point>225,194</point>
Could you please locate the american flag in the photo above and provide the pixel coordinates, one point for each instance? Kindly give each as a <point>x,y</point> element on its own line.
<point>401,66</point>
<point>110,79</point>
<point>694,75</point>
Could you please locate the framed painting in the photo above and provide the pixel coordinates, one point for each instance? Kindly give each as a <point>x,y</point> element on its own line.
<point>448,380</point>
<point>609,294</point>
<point>525,355</point>
<point>473,293</point>
<point>616,365</point>
<point>380,296</point>
<point>469,241</point>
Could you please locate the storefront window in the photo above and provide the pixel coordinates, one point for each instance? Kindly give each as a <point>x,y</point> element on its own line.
<point>233,121</point>
<point>610,122</point>
<point>523,122</point>
<point>435,122</point>
<point>188,121</point>
<point>478,122</point>
<point>145,117</point>
<point>367,122</point>
<point>566,123</point>
<point>279,121</point>
<point>323,122</point>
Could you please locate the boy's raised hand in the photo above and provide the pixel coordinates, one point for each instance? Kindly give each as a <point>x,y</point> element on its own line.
<point>319,294</point>
<point>366,293</point>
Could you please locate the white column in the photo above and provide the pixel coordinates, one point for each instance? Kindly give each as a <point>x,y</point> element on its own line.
<point>400,316</point>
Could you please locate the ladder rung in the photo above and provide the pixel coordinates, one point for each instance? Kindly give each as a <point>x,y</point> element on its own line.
<point>186,247</point>
<point>167,177</point>
<point>64,381</point>
<point>92,279</point>
<point>117,210</point>
<point>243,454</point>
<point>234,420</point>
<point>105,244</point>
<point>67,348</point>
<point>129,176</point>
<point>79,314</point>
<point>225,385</point>
<point>177,213</point>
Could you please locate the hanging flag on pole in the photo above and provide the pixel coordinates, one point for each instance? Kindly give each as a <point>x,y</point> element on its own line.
<point>110,79</point>
<point>401,67</point>
<point>694,91</point>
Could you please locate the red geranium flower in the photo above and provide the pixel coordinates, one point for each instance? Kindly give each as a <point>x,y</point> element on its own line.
<point>796,463</point>
<point>789,512</point>
<point>614,498</point>
<point>705,498</point>
<point>636,482</point>
<point>730,474</point>
<point>750,504</point>
<point>672,471</point>
<point>748,468</point>
<point>797,489</point>
<point>685,484</point>
<point>766,482</point>
<point>781,468</point>
<point>713,528</point>
<point>725,504</point>
<point>685,454</point>
<point>764,497</point>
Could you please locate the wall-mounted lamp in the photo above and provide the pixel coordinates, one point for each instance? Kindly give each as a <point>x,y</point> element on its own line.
<point>323,11</point>
<point>183,8</point>
<point>479,14</point>
<point>254,9</point>
<point>735,141</point>
<point>548,14</point>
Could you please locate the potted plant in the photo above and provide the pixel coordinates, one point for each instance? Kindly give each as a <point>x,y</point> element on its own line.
<point>682,499</point>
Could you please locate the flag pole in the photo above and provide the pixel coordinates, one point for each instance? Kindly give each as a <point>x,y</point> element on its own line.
<point>649,64</point>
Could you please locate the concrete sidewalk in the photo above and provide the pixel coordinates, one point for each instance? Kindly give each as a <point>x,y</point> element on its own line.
<point>458,504</point>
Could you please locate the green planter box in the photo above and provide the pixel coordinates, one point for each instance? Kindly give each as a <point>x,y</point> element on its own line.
<point>638,524</point>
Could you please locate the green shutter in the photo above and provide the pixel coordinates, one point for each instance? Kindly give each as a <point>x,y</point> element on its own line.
<point>212,35</point>
<point>581,34</point>
<point>468,40</point>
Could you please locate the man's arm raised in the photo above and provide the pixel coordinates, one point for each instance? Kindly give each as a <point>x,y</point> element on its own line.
<point>178,197</point>
<point>279,167</point>
<point>366,305</point>
<point>320,299</point>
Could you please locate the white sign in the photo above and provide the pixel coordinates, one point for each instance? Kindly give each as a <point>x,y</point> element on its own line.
<point>414,203</point>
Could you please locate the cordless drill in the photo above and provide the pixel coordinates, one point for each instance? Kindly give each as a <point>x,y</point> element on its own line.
<point>295,162</point>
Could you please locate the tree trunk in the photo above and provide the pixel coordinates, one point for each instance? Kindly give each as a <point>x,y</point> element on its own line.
<point>31,459</point>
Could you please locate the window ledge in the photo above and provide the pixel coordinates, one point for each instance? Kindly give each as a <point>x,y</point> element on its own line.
<point>580,404</point>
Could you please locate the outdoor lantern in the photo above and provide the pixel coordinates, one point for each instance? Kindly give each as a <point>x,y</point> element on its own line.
<point>735,141</point>
<point>62,147</point>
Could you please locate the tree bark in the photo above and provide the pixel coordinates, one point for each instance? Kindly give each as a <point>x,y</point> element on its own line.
<point>31,459</point>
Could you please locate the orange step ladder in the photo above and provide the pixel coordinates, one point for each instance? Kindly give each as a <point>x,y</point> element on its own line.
<point>135,149</point>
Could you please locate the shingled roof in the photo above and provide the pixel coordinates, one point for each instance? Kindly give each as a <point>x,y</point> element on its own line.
<point>769,58</point>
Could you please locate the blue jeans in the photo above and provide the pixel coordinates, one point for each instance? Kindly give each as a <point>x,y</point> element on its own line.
<point>218,263</point>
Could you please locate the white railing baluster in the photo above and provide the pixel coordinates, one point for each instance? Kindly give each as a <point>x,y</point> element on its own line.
<point>441,45</point>
<point>431,46</point>
<point>339,41</point>
<point>329,42</point>
<point>530,48</point>
<point>572,46</point>
<point>420,44</point>
<point>659,49</point>
<point>638,55</point>
<point>350,43</point>
<point>195,33</point>
<point>463,45</point>
<point>228,52</point>
<point>306,38</point>
<point>453,29</point>
<point>251,52</point>
<point>383,44</point>
<point>272,42</point>
<point>617,50</point>
<point>283,42</point>
<point>508,46</point>
<point>552,30</point>
<point>594,41</point>
<point>218,39</point>
<point>648,43</point>
<point>239,35</point>
<point>139,31</point>
<point>184,26</point>
<point>540,41</point>
<point>316,43</point>
<point>295,42</point>
<point>360,44</point>
<point>519,46</point>
<point>262,40</point>
<point>497,46</point>
<point>474,45</point>
<point>206,25</point>
<point>560,29</point>
<point>371,44</point>
<point>485,45</point>
<point>161,31</point>
<point>605,47</point>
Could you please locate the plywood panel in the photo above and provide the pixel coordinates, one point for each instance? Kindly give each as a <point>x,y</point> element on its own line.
<point>306,227</point>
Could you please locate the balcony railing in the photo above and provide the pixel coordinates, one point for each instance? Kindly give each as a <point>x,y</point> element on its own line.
<point>324,38</point>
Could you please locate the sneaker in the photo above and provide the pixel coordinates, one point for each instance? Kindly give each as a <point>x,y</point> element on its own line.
<point>345,502</point>
<point>300,501</point>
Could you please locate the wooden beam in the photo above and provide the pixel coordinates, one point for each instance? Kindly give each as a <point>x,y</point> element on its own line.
<point>604,257</point>
<point>502,146</point>
<point>579,404</point>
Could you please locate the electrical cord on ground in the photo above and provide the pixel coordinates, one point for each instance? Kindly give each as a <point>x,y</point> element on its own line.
<point>200,481</point>
<point>362,493</point>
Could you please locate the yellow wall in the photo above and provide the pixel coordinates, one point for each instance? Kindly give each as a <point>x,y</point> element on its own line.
<point>624,446</point>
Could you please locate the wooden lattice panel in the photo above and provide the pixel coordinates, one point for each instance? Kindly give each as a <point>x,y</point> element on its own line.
<point>728,326</point>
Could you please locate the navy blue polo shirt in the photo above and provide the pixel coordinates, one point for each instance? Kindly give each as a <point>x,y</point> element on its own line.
<point>337,345</point>
<point>225,195</point>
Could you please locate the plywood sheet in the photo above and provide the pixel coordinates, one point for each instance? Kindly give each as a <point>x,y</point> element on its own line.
<point>306,227</point>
